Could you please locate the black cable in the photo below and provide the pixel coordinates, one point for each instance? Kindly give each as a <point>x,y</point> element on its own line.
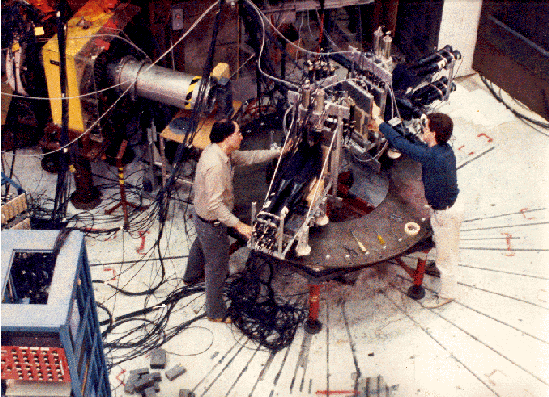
<point>256,311</point>
<point>60,203</point>
<point>197,353</point>
<point>516,113</point>
<point>161,204</point>
<point>11,170</point>
<point>109,314</point>
<point>152,333</point>
<point>135,260</point>
<point>146,292</point>
<point>60,241</point>
<point>534,128</point>
<point>184,147</point>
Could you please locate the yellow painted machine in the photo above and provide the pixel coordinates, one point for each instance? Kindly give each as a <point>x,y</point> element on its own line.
<point>89,32</point>
<point>105,75</point>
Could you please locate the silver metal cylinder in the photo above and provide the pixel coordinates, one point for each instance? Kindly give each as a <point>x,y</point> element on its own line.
<point>378,34</point>
<point>306,99</point>
<point>319,100</point>
<point>387,42</point>
<point>156,83</point>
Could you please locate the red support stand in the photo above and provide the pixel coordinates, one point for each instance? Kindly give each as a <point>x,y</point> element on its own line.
<point>123,202</point>
<point>416,291</point>
<point>312,325</point>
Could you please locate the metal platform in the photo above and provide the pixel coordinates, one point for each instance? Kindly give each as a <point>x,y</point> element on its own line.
<point>335,249</point>
<point>394,198</point>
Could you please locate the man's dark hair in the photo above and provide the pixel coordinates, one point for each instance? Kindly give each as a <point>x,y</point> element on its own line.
<point>221,130</point>
<point>442,125</point>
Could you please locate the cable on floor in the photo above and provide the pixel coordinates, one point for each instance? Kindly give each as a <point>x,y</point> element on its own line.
<point>516,113</point>
<point>256,312</point>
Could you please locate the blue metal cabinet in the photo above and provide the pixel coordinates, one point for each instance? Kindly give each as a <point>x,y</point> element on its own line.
<point>67,322</point>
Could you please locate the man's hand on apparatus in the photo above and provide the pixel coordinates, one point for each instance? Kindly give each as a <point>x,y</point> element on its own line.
<point>245,230</point>
<point>289,146</point>
<point>376,119</point>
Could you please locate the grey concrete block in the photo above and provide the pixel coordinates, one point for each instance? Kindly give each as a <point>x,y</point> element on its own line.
<point>139,371</point>
<point>186,393</point>
<point>149,392</point>
<point>129,388</point>
<point>174,372</point>
<point>129,384</point>
<point>143,384</point>
<point>156,376</point>
<point>158,358</point>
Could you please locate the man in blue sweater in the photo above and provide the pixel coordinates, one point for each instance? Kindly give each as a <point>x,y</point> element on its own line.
<point>438,165</point>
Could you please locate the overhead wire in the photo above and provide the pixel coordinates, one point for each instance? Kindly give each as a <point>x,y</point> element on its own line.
<point>144,219</point>
<point>264,18</point>
<point>164,194</point>
<point>143,222</point>
<point>91,92</point>
<point>130,86</point>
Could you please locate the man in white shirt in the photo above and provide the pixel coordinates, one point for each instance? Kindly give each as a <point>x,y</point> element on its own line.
<point>214,203</point>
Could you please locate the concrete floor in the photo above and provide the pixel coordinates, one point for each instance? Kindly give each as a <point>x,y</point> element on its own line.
<point>494,340</point>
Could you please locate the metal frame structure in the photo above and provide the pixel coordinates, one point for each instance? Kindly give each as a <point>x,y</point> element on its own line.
<point>67,324</point>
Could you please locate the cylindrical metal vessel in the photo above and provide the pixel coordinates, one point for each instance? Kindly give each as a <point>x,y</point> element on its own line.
<point>156,83</point>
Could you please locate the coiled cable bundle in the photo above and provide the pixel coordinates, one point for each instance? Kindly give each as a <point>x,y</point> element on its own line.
<point>255,311</point>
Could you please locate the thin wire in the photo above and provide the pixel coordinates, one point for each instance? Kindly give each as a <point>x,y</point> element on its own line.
<point>504,272</point>
<point>94,124</point>
<point>317,187</point>
<point>489,85</point>
<point>522,212</point>
<point>488,346</point>
<point>286,143</point>
<point>262,18</point>
<point>426,330</point>
<point>200,352</point>
<point>89,93</point>
<point>241,66</point>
